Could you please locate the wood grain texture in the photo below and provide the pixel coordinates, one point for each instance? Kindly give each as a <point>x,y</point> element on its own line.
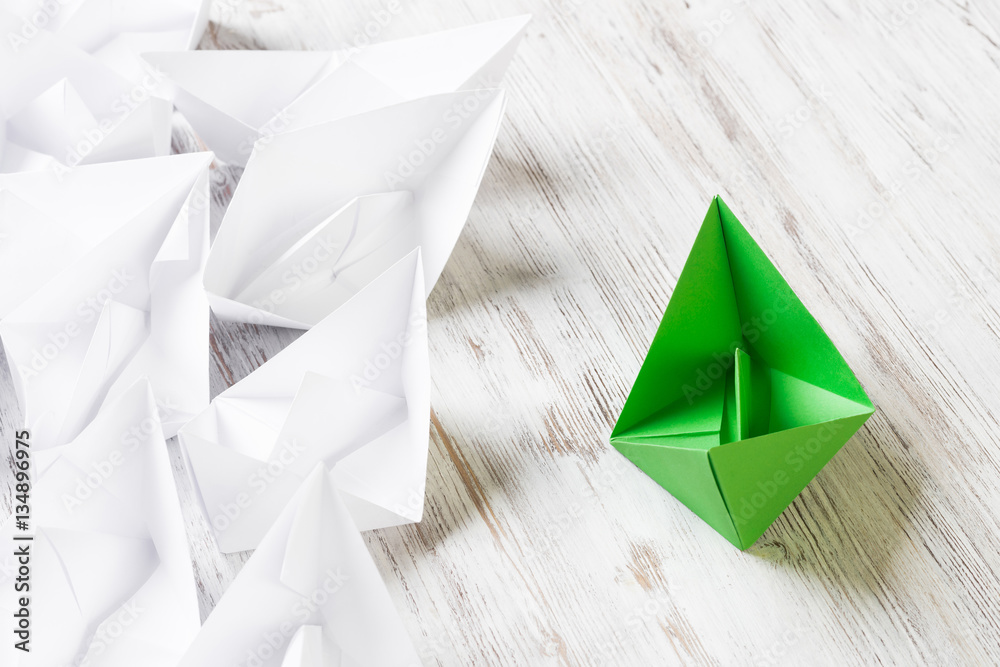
<point>858,143</point>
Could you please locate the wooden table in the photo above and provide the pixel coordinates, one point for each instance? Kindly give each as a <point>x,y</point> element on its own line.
<point>858,143</point>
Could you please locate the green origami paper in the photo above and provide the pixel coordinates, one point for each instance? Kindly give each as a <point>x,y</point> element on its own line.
<point>742,398</point>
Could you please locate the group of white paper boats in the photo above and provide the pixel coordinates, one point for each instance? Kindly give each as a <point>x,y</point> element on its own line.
<point>361,167</point>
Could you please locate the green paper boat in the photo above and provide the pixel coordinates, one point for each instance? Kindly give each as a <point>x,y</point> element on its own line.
<point>742,398</point>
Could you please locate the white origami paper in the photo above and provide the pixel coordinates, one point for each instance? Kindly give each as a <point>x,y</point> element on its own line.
<point>310,596</point>
<point>112,584</point>
<point>321,211</point>
<point>114,32</point>
<point>352,392</point>
<point>60,106</point>
<point>102,271</point>
<point>234,98</point>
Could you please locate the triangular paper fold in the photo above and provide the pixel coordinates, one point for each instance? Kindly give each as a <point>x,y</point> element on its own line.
<point>125,303</point>
<point>61,106</point>
<point>318,598</point>
<point>352,393</point>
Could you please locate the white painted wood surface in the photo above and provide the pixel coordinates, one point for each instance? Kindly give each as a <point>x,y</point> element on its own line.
<point>858,143</point>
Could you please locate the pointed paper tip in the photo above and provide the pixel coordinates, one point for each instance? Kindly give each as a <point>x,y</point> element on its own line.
<point>304,538</point>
